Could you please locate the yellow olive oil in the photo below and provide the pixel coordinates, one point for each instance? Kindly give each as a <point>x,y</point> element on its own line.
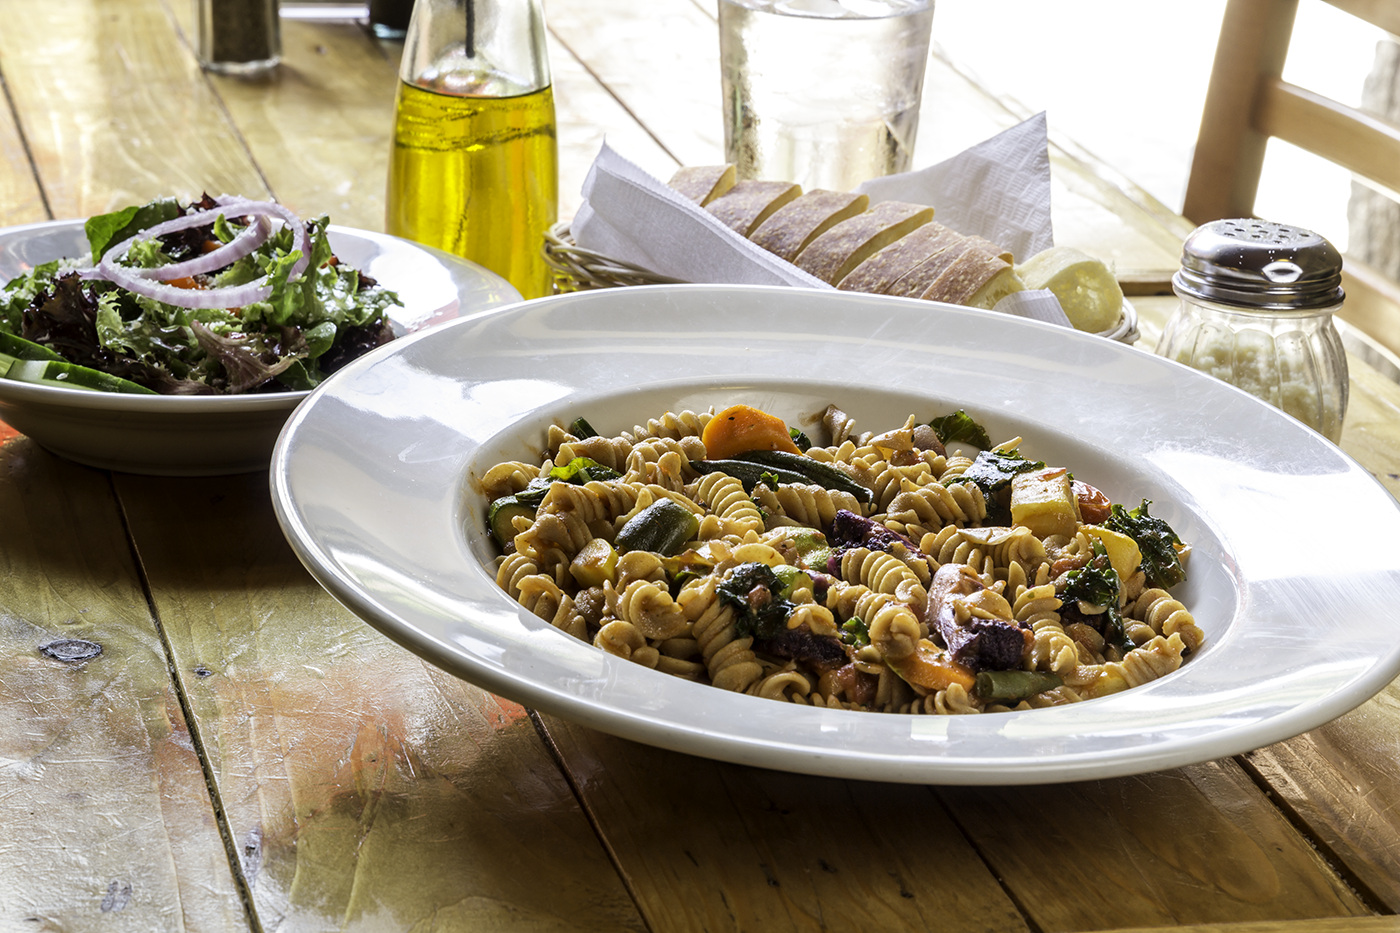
<point>477,176</point>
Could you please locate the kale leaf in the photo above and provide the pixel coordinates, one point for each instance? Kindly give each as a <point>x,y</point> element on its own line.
<point>959,426</point>
<point>755,592</point>
<point>1155,539</point>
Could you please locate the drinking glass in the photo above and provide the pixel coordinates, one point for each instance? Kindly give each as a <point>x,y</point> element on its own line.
<point>824,93</point>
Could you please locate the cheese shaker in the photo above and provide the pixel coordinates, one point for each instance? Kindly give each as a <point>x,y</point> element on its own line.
<point>1257,300</point>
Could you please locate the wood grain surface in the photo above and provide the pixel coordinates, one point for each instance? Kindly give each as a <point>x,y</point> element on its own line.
<point>359,784</point>
<point>105,811</point>
<point>246,754</point>
<point>706,845</point>
<point>115,108</point>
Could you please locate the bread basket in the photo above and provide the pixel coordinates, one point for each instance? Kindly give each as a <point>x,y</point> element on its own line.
<point>577,269</point>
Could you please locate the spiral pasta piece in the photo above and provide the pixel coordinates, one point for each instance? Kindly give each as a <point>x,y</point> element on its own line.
<point>506,479</point>
<point>1167,616</point>
<point>785,685</point>
<point>611,452</point>
<point>805,503</point>
<point>649,608</point>
<point>1156,659</point>
<point>729,659</point>
<point>674,425</point>
<point>621,638</point>
<point>732,511</point>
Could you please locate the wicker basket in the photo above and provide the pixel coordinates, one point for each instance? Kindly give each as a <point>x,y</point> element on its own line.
<point>577,269</point>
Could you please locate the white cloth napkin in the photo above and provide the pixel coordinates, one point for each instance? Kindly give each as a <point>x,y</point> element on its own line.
<point>998,189</point>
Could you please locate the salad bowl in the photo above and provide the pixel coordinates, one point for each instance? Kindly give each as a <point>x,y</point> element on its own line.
<point>201,435</point>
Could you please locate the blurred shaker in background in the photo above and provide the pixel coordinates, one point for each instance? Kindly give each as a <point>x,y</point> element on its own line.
<point>389,18</point>
<point>824,93</point>
<point>237,37</point>
<point>474,167</point>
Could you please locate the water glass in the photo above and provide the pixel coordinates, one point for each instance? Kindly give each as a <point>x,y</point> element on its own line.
<point>824,93</point>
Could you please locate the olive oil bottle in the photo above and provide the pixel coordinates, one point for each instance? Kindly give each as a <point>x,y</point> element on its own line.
<point>474,165</point>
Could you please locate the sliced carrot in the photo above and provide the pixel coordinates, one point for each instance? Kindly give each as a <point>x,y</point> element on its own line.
<point>932,669</point>
<point>741,428</point>
<point>186,282</point>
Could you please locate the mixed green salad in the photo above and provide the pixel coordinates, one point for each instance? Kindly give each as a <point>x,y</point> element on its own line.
<point>222,296</point>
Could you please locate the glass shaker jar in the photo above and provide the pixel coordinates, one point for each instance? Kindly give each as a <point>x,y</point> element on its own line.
<point>1257,300</point>
<point>474,169</point>
<point>238,37</point>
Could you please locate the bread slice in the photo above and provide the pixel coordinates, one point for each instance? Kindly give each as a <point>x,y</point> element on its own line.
<point>975,279</point>
<point>703,183</point>
<point>917,280</point>
<point>1003,283</point>
<point>797,223</point>
<point>877,274</point>
<point>833,255</point>
<point>1086,289</point>
<point>749,203</point>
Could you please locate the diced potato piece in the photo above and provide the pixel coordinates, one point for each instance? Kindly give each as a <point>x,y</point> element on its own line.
<point>1123,551</point>
<point>1044,502</point>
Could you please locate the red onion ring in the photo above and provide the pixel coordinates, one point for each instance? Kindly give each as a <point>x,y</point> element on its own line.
<point>248,239</point>
<point>145,281</point>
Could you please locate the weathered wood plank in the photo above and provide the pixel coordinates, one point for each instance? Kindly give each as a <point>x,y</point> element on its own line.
<point>1343,782</point>
<point>671,86</point>
<point>1194,845</point>
<point>106,815</point>
<point>1344,925</point>
<point>115,108</point>
<point>359,784</point>
<point>320,126</point>
<point>587,115</point>
<point>707,845</point>
<point>21,201</point>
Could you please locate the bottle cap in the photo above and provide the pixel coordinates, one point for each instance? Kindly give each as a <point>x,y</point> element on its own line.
<point>1260,264</point>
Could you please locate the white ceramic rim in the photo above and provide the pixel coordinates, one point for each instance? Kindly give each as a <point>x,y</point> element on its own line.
<point>1298,635</point>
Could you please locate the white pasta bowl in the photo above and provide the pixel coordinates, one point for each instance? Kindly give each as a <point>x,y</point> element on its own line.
<point>375,480</point>
<point>216,435</point>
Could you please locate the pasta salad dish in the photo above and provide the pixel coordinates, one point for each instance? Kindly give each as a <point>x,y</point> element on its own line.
<point>923,569</point>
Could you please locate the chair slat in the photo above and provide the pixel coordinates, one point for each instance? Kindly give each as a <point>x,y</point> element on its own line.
<point>1353,139</point>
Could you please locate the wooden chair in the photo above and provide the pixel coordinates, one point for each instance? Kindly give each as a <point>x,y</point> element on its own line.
<point>1248,102</point>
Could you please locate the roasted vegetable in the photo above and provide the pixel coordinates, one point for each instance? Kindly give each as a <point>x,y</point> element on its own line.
<point>817,473</point>
<point>594,564</point>
<point>663,527</point>
<point>748,472</point>
<point>740,428</point>
<point>500,517</point>
<point>932,668</point>
<point>580,428</point>
<point>1013,686</point>
<point>1044,501</point>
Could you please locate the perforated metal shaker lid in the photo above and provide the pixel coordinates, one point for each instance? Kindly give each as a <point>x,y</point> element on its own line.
<point>1260,264</point>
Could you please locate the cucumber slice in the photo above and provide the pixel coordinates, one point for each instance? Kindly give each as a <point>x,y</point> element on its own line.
<point>501,514</point>
<point>72,376</point>
<point>21,349</point>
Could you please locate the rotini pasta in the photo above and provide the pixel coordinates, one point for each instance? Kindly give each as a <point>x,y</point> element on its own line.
<point>872,572</point>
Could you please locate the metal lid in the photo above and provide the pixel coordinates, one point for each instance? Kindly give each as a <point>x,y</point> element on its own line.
<point>1260,264</point>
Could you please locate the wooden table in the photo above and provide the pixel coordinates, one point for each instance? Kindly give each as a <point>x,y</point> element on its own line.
<point>244,754</point>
